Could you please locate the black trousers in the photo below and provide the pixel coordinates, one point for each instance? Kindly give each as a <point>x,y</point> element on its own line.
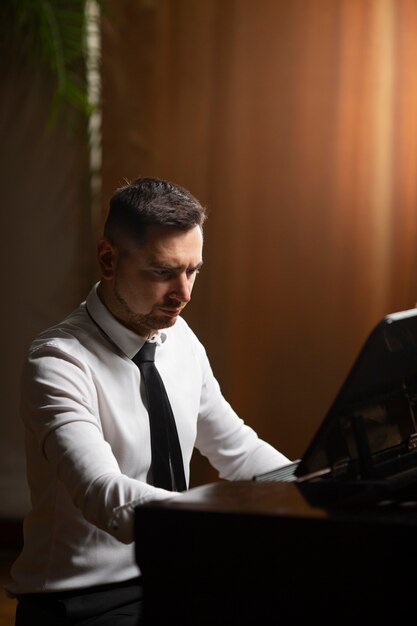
<point>108,605</point>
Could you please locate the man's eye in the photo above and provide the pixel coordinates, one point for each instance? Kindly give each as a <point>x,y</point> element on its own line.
<point>161,273</point>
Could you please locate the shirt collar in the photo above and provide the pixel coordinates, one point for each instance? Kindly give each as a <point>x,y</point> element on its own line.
<point>124,338</point>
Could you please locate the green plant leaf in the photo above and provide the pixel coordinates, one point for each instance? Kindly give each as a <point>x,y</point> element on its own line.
<point>50,35</point>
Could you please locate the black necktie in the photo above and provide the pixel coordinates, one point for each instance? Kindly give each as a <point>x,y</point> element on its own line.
<point>167,463</point>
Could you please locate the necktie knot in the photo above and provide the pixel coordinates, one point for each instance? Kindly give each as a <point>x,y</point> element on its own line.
<point>146,354</point>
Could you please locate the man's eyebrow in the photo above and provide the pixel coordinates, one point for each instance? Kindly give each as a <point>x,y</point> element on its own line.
<point>168,266</point>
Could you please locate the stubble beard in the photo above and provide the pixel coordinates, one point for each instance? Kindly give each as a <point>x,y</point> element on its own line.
<point>143,324</point>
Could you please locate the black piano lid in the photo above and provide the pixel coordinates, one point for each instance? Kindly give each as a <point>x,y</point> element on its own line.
<point>370,430</point>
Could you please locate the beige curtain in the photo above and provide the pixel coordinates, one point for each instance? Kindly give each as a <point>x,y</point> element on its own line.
<point>296,123</point>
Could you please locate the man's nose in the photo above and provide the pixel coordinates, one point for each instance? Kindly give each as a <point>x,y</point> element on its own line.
<point>182,288</point>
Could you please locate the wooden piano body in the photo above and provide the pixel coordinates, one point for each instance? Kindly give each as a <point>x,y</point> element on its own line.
<point>338,546</point>
<point>259,553</point>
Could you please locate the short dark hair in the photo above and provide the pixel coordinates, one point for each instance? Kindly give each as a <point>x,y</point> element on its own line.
<point>147,201</point>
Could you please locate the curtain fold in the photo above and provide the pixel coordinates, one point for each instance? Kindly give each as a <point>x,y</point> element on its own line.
<point>296,122</point>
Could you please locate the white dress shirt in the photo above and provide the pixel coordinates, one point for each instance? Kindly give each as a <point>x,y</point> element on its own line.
<point>88,443</point>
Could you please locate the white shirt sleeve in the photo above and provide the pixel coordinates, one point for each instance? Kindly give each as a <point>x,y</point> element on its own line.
<point>61,411</point>
<point>85,464</point>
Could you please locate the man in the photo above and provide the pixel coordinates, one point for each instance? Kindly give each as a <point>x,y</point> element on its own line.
<point>89,442</point>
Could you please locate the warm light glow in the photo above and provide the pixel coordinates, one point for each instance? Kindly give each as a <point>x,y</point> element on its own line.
<point>382,70</point>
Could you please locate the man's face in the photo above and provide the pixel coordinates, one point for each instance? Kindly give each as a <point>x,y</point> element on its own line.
<point>146,286</point>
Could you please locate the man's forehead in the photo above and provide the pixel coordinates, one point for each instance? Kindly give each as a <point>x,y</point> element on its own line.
<point>163,240</point>
<point>168,246</point>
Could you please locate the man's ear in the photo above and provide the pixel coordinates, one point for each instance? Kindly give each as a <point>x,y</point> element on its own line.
<point>107,258</point>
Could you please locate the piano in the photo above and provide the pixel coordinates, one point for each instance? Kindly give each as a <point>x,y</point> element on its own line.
<point>332,538</point>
